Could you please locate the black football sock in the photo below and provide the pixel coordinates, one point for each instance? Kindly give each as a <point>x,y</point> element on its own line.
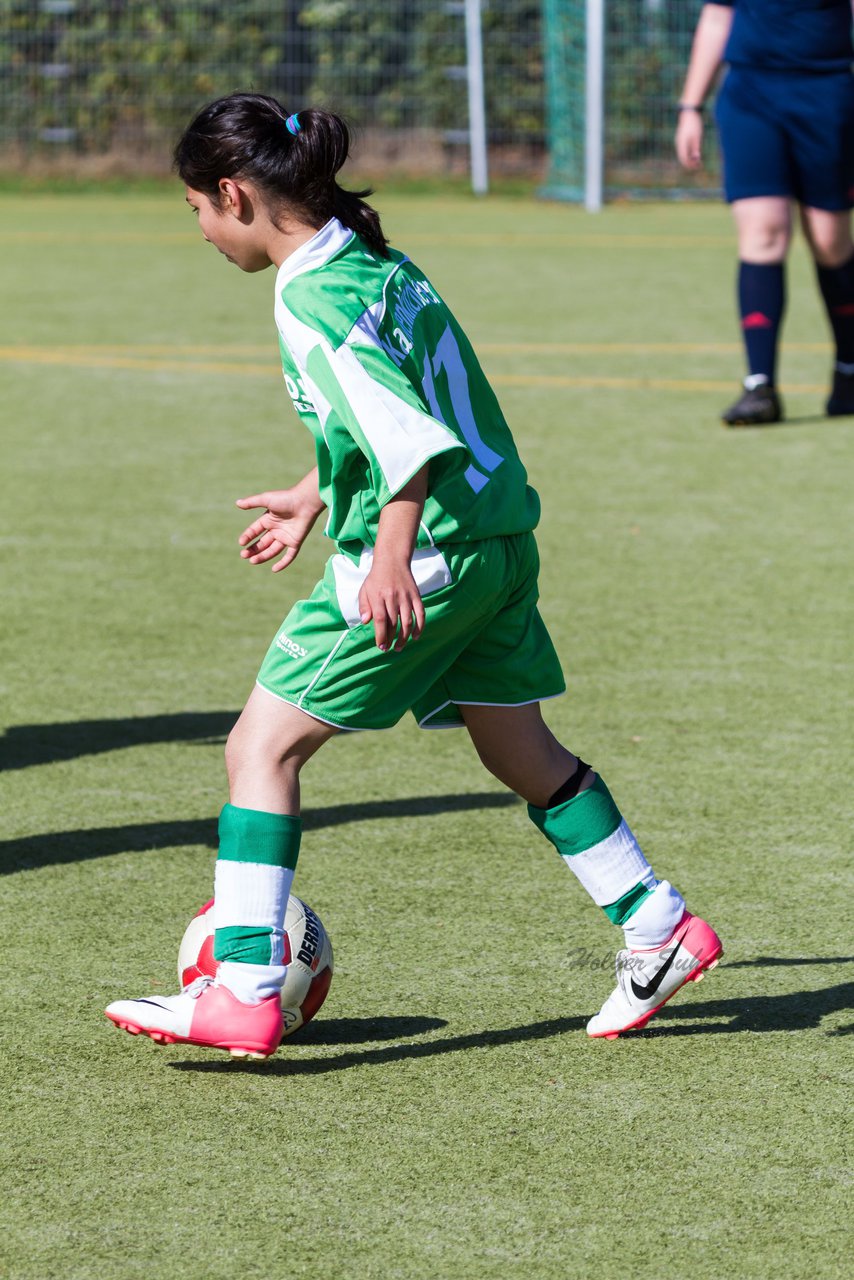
<point>761,303</point>
<point>837,289</point>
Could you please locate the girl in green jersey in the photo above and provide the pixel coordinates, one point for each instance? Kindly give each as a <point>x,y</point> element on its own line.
<point>429,603</point>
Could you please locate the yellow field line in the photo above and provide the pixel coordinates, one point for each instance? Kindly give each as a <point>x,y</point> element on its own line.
<point>629,348</point>
<point>85,352</point>
<point>154,364</point>
<point>592,381</point>
<point>94,359</point>
<point>232,350</point>
<point>98,237</point>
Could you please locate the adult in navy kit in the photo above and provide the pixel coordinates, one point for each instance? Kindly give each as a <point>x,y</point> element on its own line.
<point>429,603</point>
<point>785,116</point>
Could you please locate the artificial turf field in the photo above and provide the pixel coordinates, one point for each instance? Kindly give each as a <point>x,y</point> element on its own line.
<point>445,1115</point>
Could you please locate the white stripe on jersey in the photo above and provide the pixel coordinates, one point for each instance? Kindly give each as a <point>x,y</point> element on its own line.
<point>401,437</point>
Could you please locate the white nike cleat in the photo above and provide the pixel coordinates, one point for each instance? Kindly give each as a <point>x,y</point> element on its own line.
<point>647,979</point>
<point>206,1014</point>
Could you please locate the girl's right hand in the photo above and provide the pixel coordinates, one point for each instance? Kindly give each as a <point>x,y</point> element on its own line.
<point>288,518</point>
<point>391,600</point>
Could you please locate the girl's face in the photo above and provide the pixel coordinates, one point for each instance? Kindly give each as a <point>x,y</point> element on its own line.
<point>238,229</point>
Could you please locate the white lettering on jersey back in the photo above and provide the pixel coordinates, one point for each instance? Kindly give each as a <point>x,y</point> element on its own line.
<point>409,301</point>
<point>367,329</point>
<point>429,569</point>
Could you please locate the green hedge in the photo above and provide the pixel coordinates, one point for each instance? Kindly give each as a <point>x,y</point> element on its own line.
<point>117,71</point>
<point>127,75</point>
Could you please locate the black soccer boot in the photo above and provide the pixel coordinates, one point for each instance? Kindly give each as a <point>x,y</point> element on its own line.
<point>841,401</point>
<point>754,407</point>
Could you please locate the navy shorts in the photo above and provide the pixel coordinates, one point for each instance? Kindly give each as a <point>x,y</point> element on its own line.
<point>787,133</point>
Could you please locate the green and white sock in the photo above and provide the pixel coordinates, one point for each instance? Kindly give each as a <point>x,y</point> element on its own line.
<point>597,845</point>
<point>254,871</point>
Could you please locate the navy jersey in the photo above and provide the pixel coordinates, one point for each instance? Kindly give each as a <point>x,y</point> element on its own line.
<point>790,35</point>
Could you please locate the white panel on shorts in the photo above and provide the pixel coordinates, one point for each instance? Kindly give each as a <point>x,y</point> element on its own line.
<point>429,569</point>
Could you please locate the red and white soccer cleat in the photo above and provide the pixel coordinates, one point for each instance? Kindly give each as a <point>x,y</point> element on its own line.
<point>647,979</point>
<point>206,1014</point>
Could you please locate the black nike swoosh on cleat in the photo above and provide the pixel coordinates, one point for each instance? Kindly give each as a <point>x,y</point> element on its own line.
<point>648,991</point>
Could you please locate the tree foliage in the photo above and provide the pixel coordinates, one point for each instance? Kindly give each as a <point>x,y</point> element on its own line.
<point>116,70</point>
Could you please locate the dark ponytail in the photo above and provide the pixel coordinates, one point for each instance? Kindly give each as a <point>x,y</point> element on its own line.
<point>292,160</point>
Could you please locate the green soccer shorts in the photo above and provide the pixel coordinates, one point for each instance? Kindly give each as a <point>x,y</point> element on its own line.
<point>484,642</point>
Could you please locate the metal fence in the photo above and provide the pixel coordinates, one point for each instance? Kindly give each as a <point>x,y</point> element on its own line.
<point>107,86</point>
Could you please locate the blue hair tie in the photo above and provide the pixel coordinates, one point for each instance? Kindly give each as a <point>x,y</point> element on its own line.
<point>292,124</point>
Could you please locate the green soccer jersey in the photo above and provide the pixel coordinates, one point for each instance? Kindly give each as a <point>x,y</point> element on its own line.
<point>386,380</point>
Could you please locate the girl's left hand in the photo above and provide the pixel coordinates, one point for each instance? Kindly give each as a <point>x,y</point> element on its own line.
<point>287,520</point>
<point>390,597</point>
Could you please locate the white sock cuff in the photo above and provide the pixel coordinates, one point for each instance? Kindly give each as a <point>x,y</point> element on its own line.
<point>251,982</point>
<point>656,918</point>
<point>755,380</point>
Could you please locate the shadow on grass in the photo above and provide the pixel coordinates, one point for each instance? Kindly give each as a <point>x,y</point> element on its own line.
<point>24,745</point>
<point>284,1066</point>
<point>802,420</point>
<point>794,1011</point>
<point>798,1011</point>
<point>338,1031</point>
<point>29,852</point>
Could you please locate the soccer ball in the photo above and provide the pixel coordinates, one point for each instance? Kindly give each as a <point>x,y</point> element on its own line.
<point>308,955</point>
